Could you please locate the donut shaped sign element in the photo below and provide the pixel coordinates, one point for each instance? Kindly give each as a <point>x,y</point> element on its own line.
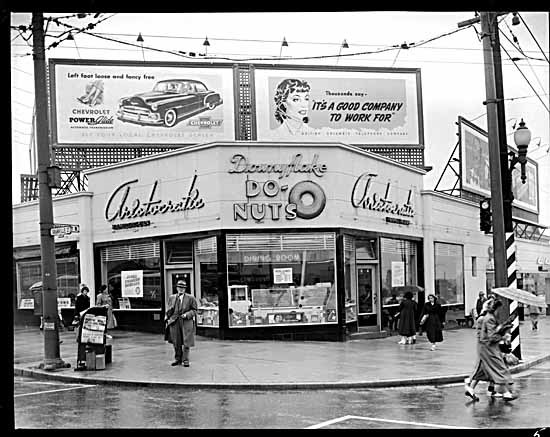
<point>297,196</point>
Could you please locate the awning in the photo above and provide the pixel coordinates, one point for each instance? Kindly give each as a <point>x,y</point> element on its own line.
<point>34,252</point>
<point>521,296</point>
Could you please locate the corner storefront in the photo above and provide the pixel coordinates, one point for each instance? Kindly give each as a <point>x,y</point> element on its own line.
<point>276,240</point>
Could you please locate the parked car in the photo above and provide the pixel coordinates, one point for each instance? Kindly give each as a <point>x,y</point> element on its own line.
<point>170,102</point>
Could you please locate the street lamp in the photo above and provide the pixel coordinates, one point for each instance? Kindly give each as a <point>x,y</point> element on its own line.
<point>522,138</point>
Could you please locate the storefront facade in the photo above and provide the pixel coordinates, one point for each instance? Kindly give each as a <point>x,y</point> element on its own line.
<point>459,258</point>
<point>276,240</point>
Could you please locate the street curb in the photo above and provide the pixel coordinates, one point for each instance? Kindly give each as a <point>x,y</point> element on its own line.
<point>435,380</point>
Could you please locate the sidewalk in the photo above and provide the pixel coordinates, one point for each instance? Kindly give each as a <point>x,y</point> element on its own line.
<point>144,359</point>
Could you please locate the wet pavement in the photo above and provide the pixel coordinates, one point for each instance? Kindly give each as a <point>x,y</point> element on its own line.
<point>144,359</point>
<point>61,405</point>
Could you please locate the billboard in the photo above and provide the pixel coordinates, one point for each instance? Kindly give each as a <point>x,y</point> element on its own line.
<point>152,103</point>
<point>475,169</point>
<point>354,106</point>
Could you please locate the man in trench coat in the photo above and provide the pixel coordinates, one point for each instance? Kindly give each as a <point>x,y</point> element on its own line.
<point>180,312</point>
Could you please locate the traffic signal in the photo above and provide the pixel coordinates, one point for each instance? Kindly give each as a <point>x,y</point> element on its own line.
<point>485,216</point>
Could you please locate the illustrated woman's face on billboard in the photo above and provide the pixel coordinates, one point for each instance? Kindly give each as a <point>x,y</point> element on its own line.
<point>297,105</point>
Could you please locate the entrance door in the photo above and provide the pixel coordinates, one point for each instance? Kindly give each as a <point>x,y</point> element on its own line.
<point>366,290</point>
<point>172,277</point>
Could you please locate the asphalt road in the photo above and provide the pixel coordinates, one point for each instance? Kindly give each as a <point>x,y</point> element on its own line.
<point>51,404</point>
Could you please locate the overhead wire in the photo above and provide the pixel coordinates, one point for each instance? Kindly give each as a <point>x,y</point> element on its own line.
<point>525,77</point>
<point>533,36</point>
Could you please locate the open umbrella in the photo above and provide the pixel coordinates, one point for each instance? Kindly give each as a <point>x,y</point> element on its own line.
<point>521,296</point>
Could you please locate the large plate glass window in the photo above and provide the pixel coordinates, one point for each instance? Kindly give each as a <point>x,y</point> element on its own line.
<point>281,279</point>
<point>206,281</point>
<point>139,260</point>
<point>29,278</point>
<point>449,273</point>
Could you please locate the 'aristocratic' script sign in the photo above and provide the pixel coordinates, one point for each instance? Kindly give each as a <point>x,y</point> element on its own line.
<point>241,165</point>
<point>121,205</point>
<point>361,197</point>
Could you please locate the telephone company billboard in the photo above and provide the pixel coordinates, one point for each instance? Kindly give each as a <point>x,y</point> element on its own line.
<point>355,106</point>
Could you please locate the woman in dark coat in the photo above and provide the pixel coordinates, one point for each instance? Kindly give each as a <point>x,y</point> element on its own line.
<point>407,325</point>
<point>431,320</point>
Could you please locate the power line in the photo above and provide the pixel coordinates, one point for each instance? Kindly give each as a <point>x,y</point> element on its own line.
<point>527,80</point>
<point>527,27</point>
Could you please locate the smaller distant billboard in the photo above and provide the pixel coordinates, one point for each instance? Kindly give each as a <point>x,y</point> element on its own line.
<point>475,168</point>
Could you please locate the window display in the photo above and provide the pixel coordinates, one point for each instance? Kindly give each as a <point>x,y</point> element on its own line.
<point>206,281</point>
<point>350,277</point>
<point>143,257</point>
<point>279,279</point>
<point>399,269</point>
<point>29,277</point>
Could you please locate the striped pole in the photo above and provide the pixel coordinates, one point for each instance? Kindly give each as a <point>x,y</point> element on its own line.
<point>512,282</point>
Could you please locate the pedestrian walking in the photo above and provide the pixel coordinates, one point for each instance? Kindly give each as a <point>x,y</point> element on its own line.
<point>431,321</point>
<point>490,365</point>
<point>105,298</point>
<point>180,314</point>
<point>406,325</point>
<point>534,312</point>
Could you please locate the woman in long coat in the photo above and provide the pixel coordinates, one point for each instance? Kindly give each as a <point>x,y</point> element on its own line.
<point>431,319</point>
<point>490,365</point>
<point>104,298</point>
<point>407,325</point>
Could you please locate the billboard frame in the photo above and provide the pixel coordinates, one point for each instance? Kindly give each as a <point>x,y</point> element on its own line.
<point>336,68</point>
<point>487,193</point>
<point>51,75</point>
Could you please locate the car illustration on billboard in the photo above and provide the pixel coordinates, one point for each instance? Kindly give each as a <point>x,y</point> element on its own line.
<point>170,102</point>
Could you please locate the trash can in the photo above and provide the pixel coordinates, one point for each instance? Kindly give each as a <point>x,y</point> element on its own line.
<point>91,339</point>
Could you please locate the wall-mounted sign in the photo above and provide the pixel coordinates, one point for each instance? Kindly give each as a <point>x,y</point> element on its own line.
<point>282,276</point>
<point>361,105</point>
<point>542,260</point>
<point>397,274</point>
<point>123,205</point>
<point>26,304</point>
<point>63,302</point>
<point>131,283</point>
<point>275,200</point>
<point>476,176</point>
<point>364,196</point>
<point>155,103</point>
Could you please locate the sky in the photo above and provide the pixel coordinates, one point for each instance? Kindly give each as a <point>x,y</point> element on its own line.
<point>452,68</point>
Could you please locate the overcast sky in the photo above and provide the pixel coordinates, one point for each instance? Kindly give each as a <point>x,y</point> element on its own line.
<point>452,70</point>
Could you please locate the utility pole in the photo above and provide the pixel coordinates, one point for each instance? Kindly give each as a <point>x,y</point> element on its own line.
<point>46,176</point>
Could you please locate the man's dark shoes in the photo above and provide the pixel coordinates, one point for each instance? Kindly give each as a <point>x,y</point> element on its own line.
<point>176,363</point>
<point>186,364</point>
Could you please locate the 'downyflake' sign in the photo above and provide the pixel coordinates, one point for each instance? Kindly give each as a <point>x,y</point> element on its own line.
<point>273,199</point>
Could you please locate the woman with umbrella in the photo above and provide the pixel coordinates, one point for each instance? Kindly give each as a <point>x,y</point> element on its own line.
<point>490,365</point>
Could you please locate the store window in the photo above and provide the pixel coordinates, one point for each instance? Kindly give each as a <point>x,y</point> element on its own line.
<point>399,270</point>
<point>449,273</point>
<point>29,278</point>
<point>281,279</point>
<point>206,281</point>
<point>140,262</point>
<point>350,278</point>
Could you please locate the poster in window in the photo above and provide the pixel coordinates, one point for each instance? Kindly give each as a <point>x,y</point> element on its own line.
<point>132,283</point>
<point>397,273</point>
<point>282,276</point>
